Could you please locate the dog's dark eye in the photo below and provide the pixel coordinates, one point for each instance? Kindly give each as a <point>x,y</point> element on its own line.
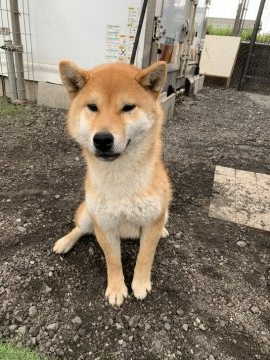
<point>128,107</point>
<point>92,107</point>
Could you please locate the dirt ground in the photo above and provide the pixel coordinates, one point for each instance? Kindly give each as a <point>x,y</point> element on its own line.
<point>210,297</point>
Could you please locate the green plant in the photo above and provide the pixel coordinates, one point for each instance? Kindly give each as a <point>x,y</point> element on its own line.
<point>7,108</point>
<point>216,30</point>
<point>245,34</point>
<point>9,352</point>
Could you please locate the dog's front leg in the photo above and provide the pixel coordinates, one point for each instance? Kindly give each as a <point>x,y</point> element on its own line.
<point>151,234</point>
<point>116,289</point>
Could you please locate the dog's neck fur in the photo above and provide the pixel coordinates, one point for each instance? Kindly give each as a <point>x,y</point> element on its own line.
<point>123,177</point>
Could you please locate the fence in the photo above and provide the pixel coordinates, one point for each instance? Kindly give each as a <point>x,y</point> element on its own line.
<point>16,56</point>
<point>252,70</point>
<point>258,75</point>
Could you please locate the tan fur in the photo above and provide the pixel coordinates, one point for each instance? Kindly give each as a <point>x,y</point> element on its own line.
<point>129,196</point>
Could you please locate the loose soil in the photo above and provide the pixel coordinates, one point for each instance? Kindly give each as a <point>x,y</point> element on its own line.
<point>210,297</point>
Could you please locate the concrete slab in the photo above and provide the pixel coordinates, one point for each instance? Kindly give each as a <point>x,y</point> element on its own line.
<point>242,197</point>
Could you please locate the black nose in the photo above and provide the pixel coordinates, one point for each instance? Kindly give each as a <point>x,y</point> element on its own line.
<point>103,141</point>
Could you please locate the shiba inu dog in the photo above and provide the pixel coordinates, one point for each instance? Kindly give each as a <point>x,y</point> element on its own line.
<point>116,118</point>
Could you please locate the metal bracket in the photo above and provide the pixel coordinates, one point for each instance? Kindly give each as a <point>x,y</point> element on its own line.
<point>13,48</point>
<point>159,31</point>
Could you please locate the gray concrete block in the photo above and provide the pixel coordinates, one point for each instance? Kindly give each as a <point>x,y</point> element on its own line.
<point>167,103</point>
<point>52,95</point>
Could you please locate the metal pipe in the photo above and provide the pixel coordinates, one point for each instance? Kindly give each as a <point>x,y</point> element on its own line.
<point>11,70</point>
<point>241,22</point>
<point>237,19</point>
<point>18,54</point>
<point>251,45</point>
<point>138,33</point>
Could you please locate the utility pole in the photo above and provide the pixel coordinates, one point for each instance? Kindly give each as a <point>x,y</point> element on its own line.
<point>18,51</point>
<point>251,45</point>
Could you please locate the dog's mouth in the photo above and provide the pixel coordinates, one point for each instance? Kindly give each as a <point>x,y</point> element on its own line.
<point>108,156</point>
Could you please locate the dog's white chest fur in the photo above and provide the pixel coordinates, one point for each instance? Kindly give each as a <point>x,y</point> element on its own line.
<point>120,205</point>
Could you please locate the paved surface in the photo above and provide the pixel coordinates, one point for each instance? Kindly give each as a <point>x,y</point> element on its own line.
<point>242,197</point>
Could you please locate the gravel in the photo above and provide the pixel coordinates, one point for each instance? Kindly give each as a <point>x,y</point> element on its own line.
<point>210,297</point>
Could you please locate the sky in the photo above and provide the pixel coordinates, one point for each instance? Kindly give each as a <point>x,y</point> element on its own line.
<point>228,9</point>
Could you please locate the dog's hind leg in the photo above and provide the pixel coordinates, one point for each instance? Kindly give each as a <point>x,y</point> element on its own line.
<point>83,226</point>
<point>165,232</point>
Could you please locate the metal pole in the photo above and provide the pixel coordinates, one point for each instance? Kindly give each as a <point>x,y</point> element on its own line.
<point>241,22</point>
<point>11,70</point>
<point>138,33</point>
<point>251,45</point>
<point>18,54</point>
<point>237,20</point>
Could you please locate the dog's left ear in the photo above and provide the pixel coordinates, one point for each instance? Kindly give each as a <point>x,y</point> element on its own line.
<point>153,77</point>
<point>73,77</point>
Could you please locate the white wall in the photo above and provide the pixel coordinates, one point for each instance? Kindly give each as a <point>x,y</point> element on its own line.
<point>76,30</point>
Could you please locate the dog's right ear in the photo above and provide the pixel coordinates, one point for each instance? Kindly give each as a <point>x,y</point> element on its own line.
<point>73,78</point>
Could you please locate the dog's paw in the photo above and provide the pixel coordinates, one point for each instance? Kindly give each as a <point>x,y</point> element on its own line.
<point>165,233</point>
<point>141,288</point>
<point>63,245</point>
<point>115,294</point>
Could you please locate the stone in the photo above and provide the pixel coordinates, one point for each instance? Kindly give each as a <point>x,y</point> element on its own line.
<point>77,321</point>
<point>32,311</point>
<point>22,330</point>
<point>202,327</point>
<point>185,327</point>
<point>179,235</point>
<point>13,327</point>
<point>91,251</point>
<point>241,243</point>
<point>52,327</point>
<point>180,312</point>
<point>147,327</point>
<point>46,289</point>
<point>157,344</point>
<point>34,330</point>
<point>134,321</point>
<point>21,229</point>
<point>254,309</point>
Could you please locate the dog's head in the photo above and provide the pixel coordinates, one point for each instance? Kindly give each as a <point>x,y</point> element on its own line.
<point>113,106</point>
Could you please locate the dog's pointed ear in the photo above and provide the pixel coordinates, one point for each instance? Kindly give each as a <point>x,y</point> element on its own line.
<point>73,77</point>
<point>153,77</point>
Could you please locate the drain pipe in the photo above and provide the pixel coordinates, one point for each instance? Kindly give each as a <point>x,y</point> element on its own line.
<point>138,33</point>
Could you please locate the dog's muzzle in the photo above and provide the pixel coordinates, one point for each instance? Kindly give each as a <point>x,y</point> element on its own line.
<point>103,142</point>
